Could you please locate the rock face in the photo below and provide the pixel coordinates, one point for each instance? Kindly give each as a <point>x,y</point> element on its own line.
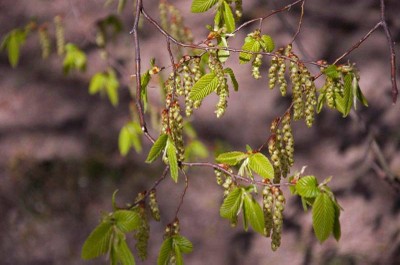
<point>59,162</point>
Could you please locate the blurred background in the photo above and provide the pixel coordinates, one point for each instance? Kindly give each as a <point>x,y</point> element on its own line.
<point>60,164</point>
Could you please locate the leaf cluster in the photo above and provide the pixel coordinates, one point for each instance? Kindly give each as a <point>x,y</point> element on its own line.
<point>325,208</point>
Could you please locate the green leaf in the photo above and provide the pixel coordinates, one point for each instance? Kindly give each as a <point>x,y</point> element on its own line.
<point>358,93</point>
<point>229,19</point>
<point>123,253</point>
<point>128,137</point>
<point>13,50</point>
<point>204,86</point>
<point>124,141</point>
<point>97,83</point>
<point>157,148</point>
<point>332,72</point>
<point>75,59</point>
<point>135,130</point>
<point>360,96</point>
<point>232,204</point>
<point>218,18</point>
<point>321,101</point>
<point>339,103</point>
<point>230,72</point>
<point>178,255</point>
<point>253,213</point>
<point>336,225</point>
<point>348,94</point>
<point>165,252</point>
<point>261,165</point>
<point>307,187</point>
<point>144,81</point>
<point>199,6</point>
<point>13,42</point>
<point>98,241</point>
<point>323,214</point>
<point>127,220</point>
<point>173,160</point>
<point>267,43</point>
<point>184,244</point>
<point>231,158</point>
<point>223,55</point>
<point>252,46</point>
<point>112,85</point>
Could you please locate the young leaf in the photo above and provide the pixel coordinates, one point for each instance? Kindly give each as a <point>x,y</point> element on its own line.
<point>112,85</point>
<point>165,252</point>
<point>184,244</point>
<point>13,41</point>
<point>223,55</point>
<point>157,148</point>
<point>321,101</point>
<point>253,213</point>
<point>231,158</point>
<point>232,204</point>
<point>229,19</point>
<point>307,187</point>
<point>336,225</point>
<point>230,72</point>
<point>199,6</point>
<point>202,88</point>
<point>178,255</point>
<point>332,72</point>
<point>13,49</point>
<point>127,220</point>
<point>261,165</point>
<point>360,96</point>
<point>323,215</point>
<point>173,160</point>
<point>144,81</point>
<point>98,241</point>
<point>123,253</point>
<point>348,94</point>
<point>97,83</point>
<point>251,45</point>
<point>267,43</point>
<point>75,58</point>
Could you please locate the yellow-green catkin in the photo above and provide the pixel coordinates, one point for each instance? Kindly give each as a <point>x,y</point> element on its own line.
<point>44,40</point>
<point>60,38</point>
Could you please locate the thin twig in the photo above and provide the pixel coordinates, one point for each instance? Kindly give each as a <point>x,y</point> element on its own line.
<point>156,183</point>
<point>138,101</point>
<point>391,43</point>
<point>234,176</point>
<point>183,193</point>
<point>300,22</point>
<point>273,12</point>
<point>356,45</point>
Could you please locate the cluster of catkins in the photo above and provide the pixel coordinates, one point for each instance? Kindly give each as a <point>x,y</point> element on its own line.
<point>172,21</point>
<point>303,87</point>
<point>273,206</point>
<point>189,67</point>
<point>216,67</point>
<point>143,233</point>
<point>225,180</point>
<point>334,86</point>
<point>281,147</point>
<point>171,118</point>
